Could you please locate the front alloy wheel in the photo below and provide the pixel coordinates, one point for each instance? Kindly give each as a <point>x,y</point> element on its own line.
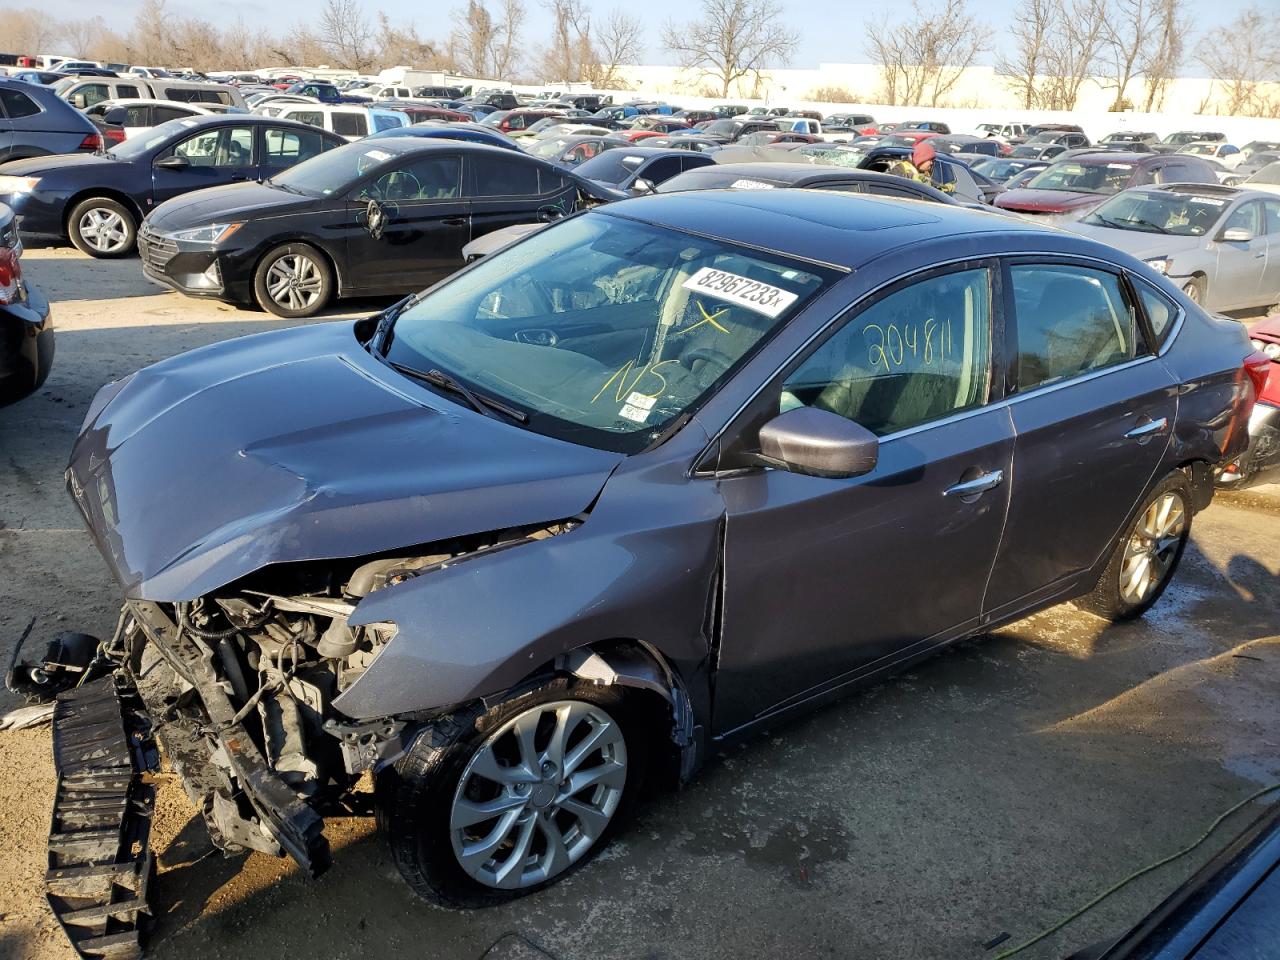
<point>102,228</point>
<point>538,794</point>
<point>293,281</point>
<point>492,803</point>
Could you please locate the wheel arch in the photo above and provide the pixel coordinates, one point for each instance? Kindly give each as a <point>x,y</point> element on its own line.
<point>314,243</point>
<point>107,193</point>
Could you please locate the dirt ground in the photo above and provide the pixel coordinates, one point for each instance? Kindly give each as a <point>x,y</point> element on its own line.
<point>990,790</point>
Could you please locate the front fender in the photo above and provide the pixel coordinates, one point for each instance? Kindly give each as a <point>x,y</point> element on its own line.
<point>641,567</point>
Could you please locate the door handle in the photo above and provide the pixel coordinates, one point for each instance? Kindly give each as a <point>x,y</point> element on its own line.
<point>454,221</point>
<point>1148,429</point>
<point>970,488</point>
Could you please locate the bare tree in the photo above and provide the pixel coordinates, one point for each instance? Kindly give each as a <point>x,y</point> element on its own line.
<point>732,40</point>
<point>80,36</point>
<point>1165,54</point>
<point>924,57</point>
<point>569,53</point>
<point>402,45</point>
<point>507,50</point>
<point>344,33</point>
<point>619,41</point>
<point>30,31</point>
<point>1243,56</point>
<point>1025,65</point>
<point>1071,51</point>
<point>1129,31</point>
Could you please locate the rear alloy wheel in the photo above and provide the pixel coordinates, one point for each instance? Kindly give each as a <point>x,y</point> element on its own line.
<point>102,228</point>
<point>1147,555</point>
<point>493,805</point>
<point>293,281</point>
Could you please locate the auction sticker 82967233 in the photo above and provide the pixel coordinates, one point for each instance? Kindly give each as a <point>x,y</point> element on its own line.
<point>752,294</point>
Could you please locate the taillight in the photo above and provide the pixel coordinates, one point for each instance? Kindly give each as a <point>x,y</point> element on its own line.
<point>114,135</point>
<point>92,142</point>
<point>10,273</point>
<point>1257,366</point>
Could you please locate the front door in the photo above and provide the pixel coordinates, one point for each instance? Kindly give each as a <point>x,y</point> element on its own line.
<point>1093,411</point>
<point>1241,262</point>
<point>211,158</point>
<point>414,222</point>
<point>830,580</point>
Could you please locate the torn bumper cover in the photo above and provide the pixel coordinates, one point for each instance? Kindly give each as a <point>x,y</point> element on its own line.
<point>99,862</point>
<point>277,818</point>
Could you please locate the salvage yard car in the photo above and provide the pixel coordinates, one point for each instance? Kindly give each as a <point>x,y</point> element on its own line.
<point>26,324</point>
<point>380,217</point>
<point>636,486</point>
<point>1221,245</point>
<point>98,200</point>
<point>1081,183</point>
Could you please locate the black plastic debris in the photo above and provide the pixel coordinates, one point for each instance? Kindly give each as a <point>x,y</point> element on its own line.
<point>99,860</point>
<point>69,660</point>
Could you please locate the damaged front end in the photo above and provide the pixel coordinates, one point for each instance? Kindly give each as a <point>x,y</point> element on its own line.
<point>240,689</point>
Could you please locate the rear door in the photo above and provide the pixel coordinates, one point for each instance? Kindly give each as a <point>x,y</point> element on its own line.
<point>415,222</point>
<point>506,188</point>
<point>1269,289</point>
<point>1093,411</point>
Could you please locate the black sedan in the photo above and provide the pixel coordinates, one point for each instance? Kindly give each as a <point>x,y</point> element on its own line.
<point>98,200</point>
<point>638,170</point>
<point>375,217</point>
<point>26,327</point>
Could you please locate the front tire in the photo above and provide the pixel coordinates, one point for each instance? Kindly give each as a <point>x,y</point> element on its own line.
<point>1147,555</point>
<point>1195,290</point>
<point>492,805</point>
<point>293,281</point>
<point>103,228</point>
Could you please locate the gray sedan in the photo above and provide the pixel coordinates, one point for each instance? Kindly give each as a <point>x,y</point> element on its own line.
<point>1220,244</point>
<point>643,483</point>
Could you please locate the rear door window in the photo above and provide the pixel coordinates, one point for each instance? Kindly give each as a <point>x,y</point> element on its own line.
<point>350,124</point>
<point>127,91</point>
<point>1070,321</point>
<point>504,177</point>
<point>15,105</point>
<point>165,114</point>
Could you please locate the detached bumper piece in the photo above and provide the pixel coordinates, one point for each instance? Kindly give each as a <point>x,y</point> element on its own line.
<point>99,860</point>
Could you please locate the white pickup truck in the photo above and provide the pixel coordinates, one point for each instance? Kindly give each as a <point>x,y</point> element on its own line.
<point>813,128</point>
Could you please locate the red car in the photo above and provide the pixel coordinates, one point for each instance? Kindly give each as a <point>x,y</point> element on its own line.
<point>1261,462</point>
<point>1083,182</point>
<point>419,114</point>
<point>637,135</point>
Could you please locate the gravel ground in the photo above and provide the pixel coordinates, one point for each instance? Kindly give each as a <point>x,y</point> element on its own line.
<point>991,789</point>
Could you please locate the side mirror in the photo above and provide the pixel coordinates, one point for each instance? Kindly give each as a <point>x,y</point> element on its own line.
<point>173,162</point>
<point>116,115</point>
<point>643,186</point>
<point>818,443</point>
<point>1237,235</point>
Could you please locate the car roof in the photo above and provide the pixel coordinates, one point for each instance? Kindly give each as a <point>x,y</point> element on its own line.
<point>1243,192</point>
<point>843,230</point>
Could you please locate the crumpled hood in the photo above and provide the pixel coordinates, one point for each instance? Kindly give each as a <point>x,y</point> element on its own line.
<point>298,445</point>
<point>232,201</point>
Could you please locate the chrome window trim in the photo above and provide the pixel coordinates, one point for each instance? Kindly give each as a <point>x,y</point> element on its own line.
<point>1001,258</point>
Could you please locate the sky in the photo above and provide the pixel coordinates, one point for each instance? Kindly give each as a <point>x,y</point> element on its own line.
<point>829,33</point>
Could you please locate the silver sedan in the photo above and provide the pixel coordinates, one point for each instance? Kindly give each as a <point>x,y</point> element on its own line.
<point>1221,245</point>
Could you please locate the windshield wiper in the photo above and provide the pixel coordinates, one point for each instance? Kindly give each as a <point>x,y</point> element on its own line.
<point>1107,221</point>
<point>1144,223</point>
<point>479,402</point>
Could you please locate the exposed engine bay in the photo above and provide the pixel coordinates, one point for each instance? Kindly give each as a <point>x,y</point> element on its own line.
<point>240,688</point>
